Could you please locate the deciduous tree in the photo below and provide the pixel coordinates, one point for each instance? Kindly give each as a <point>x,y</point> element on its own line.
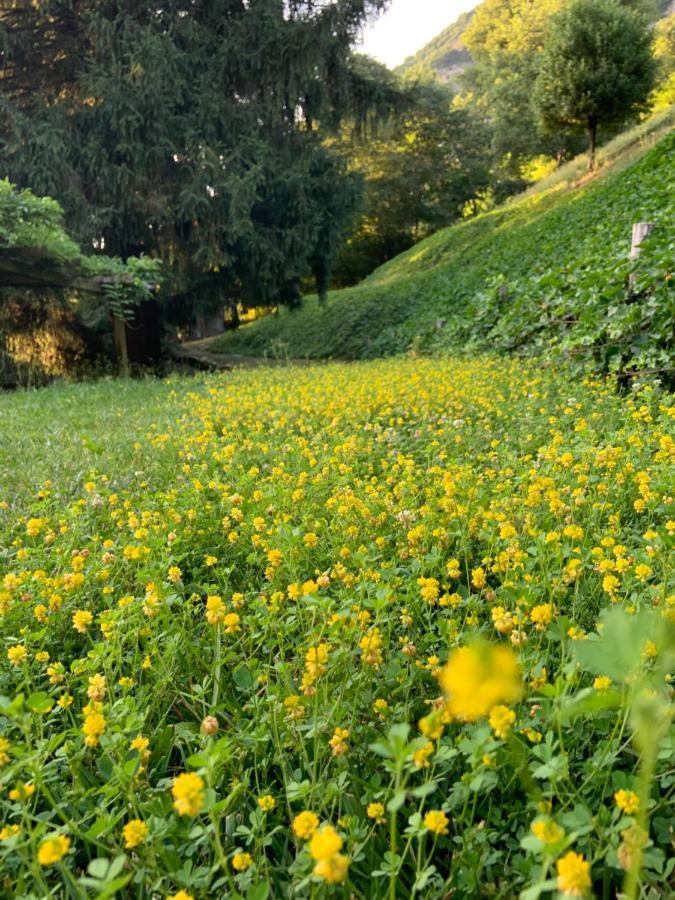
<point>597,68</point>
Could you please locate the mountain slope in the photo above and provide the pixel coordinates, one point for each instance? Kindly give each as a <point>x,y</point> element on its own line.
<point>445,57</point>
<point>546,272</point>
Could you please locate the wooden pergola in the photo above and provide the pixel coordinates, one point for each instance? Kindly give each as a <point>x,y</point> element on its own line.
<point>34,268</point>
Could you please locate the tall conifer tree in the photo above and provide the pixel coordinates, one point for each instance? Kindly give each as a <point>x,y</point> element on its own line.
<point>188,129</point>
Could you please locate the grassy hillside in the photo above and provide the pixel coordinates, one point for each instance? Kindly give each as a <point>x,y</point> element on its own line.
<point>546,271</point>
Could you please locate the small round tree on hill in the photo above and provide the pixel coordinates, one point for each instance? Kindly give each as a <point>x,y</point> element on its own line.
<point>597,68</point>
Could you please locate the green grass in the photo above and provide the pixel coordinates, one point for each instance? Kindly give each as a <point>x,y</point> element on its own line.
<point>60,433</point>
<point>545,272</point>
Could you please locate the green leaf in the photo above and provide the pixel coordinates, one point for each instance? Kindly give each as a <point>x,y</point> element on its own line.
<point>617,650</point>
<point>100,826</point>
<point>424,790</point>
<point>98,868</point>
<point>243,678</point>
<point>396,801</point>
<point>534,892</point>
<point>590,702</point>
<point>116,866</point>
<point>260,891</point>
<point>198,760</point>
<point>40,703</point>
<point>12,707</point>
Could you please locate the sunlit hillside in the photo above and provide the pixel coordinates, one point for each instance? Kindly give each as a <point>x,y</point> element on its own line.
<point>546,270</point>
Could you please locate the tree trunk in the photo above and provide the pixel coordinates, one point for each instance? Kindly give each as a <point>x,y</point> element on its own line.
<point>231,317</point>
<point>120,339</point>
<point>592,142</point>
<point>144,345</point>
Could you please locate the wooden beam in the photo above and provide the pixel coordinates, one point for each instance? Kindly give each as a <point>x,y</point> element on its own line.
<point>33,267</point>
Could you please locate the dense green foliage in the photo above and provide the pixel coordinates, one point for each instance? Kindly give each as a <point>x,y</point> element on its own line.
<point>227,139</point>
<point>187,130</point>
<point>207,134</point>
<point>506,38</point>
<point>37,223</point>
<point>420,170</point>
<point>664,53</point>
<point>30,221</point>
<point>394,629</point>
<point>401,629</point>
<point>547,273</point>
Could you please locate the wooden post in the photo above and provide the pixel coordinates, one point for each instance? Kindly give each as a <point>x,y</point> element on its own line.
<point>120,339</point>
<point>641,230</point>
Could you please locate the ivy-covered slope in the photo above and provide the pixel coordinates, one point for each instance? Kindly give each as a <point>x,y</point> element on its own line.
<point>547,273</point>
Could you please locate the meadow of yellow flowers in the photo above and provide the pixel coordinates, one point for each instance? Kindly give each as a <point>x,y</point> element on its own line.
<point>386,630</point>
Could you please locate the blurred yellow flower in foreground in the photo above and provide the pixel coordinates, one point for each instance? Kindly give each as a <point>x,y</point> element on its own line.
<point>479,677</point>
